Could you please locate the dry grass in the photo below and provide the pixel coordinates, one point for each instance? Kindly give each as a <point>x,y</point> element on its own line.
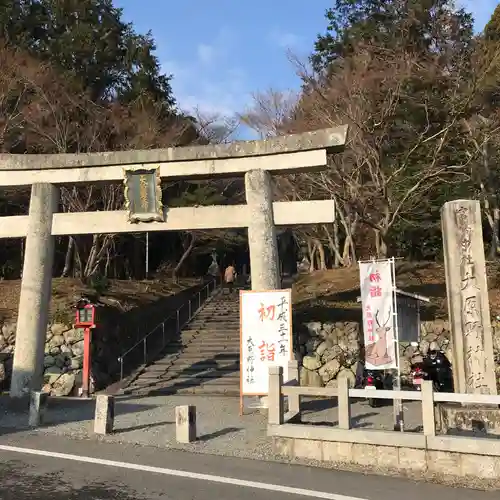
<point>121,295</point>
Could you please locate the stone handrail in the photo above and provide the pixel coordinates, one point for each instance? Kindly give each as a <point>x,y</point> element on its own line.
<point>278,389</point>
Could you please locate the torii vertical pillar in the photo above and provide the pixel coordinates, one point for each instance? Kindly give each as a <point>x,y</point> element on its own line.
<point>34,301</point>
<point>262,241</point>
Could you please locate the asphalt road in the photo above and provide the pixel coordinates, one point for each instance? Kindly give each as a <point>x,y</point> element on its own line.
<point>40,467</point>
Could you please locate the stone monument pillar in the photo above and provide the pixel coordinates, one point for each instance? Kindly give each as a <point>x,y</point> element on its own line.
<point>262,241</point>
<point>468,304</point>
<point>34,302</point>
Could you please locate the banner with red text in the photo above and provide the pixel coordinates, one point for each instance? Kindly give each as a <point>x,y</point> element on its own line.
<point>266,337</point>
<point>377,299</point>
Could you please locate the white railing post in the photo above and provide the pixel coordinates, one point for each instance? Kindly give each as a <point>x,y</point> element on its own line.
<point>294,400</point>
<point>428,416</point>
<point>276,412</point>
<point>344,405</point>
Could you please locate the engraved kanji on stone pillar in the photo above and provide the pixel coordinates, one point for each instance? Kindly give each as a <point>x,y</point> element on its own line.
<point>468,304</point>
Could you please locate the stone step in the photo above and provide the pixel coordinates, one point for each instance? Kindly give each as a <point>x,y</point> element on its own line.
<point>223,366</point>
<point>201,365</point>
<point>198,356</point>
<point>204,376</point>
<point>216,319</point>
<point>235,311</point>
<point>231,391</point>
<point>213,334</point>
<point>219,312</point>
<point>201,347</point>
<point>215,322</point>
<point>186,382</point>
<point>189,375</point>
<point>233,357</point>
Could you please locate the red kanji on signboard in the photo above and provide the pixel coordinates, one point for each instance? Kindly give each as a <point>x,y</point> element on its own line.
<point>267,312</point>
<point>262,349</point>
<point>271,349</point>
<point>375,291</point>
<point>375,277</point>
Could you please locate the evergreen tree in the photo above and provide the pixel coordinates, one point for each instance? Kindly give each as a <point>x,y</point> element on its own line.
<point>89,39</point>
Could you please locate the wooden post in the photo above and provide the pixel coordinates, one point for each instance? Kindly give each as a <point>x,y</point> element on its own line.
<point>428,417</point>
<point>344,410</point>
<point>276,413</point>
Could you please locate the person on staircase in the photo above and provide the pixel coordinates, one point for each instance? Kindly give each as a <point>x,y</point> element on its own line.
<point>229,277</point>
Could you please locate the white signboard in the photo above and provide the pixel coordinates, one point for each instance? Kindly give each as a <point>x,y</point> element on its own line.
<point>266,337</point>
<point>377,298</point>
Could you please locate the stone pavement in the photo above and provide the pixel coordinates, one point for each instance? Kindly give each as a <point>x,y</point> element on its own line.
<point>150,421</point>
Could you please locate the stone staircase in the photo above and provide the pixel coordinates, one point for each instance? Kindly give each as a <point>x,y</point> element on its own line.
<point>204,359</point>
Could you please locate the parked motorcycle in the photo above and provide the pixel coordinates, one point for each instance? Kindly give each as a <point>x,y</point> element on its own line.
<point>436,367</point>
<point>374,380</point>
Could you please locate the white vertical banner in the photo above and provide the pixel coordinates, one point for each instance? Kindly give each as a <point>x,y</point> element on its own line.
<point>377,299</point>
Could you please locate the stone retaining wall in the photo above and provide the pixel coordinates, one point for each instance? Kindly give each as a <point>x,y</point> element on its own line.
<point>63,358</point>
<point>327,351</point>
<point>447,459</point>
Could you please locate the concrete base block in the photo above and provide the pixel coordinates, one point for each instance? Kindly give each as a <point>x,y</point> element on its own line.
<point>104,414</point>
<point>185,424</point>
<point>38,407</point>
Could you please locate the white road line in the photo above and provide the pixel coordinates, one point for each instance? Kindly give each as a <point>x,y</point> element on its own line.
<point>181,473</point>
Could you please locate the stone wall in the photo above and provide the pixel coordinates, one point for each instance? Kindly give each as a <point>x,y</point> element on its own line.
<point>327,351</point>
<point>63,358</point>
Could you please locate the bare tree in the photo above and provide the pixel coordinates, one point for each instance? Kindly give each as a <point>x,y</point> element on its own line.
<point>269,112</point>
<point>392,160</point>
<point>215,128</point>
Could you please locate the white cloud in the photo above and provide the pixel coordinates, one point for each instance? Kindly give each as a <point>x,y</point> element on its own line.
<point>223,94</point>
<point>285,40</point>
<point>211,80</point>
<point>206,54</point>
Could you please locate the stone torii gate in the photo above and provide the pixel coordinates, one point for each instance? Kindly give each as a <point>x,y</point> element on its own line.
<point>142,172</point>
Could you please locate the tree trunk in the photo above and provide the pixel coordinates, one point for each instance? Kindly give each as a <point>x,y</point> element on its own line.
<point>311,250</point>
<point>336,261</point>
<point>495,237</point>
<point>77,262</point>
<point>321,255</point>
<point>185,255</point>
<point>333,243</point>
<point>349,251</point>
<point>68,260</point>
<point>381,244</point>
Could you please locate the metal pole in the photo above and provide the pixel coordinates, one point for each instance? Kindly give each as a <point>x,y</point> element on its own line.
<point>178,321</point>
<point>398,404</point>
<point>163,334</point>
<point>147,255</point>
<point>121,368</point>
<point>145,350</point>
<point>189,311</point>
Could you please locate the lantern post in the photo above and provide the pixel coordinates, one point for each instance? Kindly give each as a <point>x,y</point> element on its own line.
<point>85,318</point>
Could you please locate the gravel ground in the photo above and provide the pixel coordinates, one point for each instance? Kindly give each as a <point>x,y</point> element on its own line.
<point>324,412</point>
<point>150,421</point>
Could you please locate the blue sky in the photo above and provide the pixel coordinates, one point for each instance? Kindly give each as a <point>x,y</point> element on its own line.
<point>221,51</point>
